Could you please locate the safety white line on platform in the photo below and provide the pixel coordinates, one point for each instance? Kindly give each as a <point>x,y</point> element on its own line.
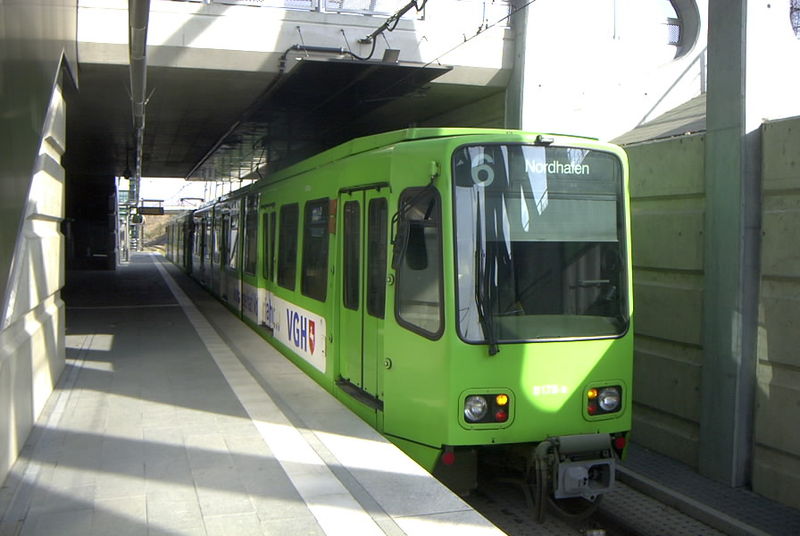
<point>335,509</point>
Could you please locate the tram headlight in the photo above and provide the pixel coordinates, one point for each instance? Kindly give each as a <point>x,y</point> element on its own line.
<point>475,408</point>
<point>492,409</point>
<point>603,400</point>
<point>608,399</point>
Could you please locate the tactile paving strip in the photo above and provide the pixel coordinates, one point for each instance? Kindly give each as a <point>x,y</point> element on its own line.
<point>742,505</point>
<point>642,515</point>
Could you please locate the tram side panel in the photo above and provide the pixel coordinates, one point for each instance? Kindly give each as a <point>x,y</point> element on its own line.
<point>287,296</point>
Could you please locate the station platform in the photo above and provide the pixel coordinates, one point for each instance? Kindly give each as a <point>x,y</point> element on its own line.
<point>172,418</point>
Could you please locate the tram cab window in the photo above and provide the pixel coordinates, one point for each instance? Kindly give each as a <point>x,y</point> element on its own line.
<point>418,299</point>
<point>287,246</point>
<point>314,280</point>
<point>540,243</point>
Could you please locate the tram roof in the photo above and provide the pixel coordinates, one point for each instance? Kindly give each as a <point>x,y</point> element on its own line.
<point>376,141</point>
<point>365,144</point>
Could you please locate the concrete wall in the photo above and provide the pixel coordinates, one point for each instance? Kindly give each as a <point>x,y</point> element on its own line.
<point>776,467</point>
<point>668,201</point>
<point>667,190</point>
<point>37,41</point>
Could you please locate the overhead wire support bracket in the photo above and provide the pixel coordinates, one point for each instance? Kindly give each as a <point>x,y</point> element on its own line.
<point>392,22</point>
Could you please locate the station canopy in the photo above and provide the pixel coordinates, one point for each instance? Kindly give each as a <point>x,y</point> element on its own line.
<point>208,124</point>
<point>318,104</point>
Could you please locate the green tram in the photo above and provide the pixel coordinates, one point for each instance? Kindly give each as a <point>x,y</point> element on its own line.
<point>467,292</point>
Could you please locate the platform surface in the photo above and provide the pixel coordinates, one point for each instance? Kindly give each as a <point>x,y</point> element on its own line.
<point>730,511</point>
<point>174,418</point>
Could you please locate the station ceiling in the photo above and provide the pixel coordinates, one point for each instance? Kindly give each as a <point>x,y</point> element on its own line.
<point>198,119</point>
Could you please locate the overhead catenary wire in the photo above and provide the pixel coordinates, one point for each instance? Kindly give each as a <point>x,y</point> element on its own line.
<point>482,28</point>
<point>392,22</point>
<point>389,25</point>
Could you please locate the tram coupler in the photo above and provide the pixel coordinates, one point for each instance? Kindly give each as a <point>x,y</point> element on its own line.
<point>580,465</point>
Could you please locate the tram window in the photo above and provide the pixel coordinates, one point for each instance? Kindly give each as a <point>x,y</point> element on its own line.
<point>218,239</point>
<point>226,244</point>
<point>207,225</point>
<point>352,261</point>
<point>376,257</point>
<point>314,282</point>
<point>287,247</point>
<point>201,241</point>
<point>251,234</point>
<point>268,223</point>
<point>197,245</point>
<point>233,240</point>
<point>418,298</point>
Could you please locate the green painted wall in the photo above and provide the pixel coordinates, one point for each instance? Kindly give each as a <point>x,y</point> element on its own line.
<point>776,467</point>
<point>668,204</point>
<point>667,199</point>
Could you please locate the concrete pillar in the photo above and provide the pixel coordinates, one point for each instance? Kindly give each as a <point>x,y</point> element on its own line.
<point>516,86</point>
<point>732,221</point>
<point>32,336</point>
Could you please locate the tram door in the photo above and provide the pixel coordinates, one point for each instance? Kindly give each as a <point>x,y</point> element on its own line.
<point>362,279</point>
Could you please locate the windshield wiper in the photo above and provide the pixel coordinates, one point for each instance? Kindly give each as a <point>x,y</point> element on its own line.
<point>484,276</point>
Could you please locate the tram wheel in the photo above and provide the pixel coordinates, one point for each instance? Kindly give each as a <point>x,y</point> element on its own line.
<point>537,486</point>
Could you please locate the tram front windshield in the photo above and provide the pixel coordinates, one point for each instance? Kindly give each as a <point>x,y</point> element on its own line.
<point>539,243</point>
